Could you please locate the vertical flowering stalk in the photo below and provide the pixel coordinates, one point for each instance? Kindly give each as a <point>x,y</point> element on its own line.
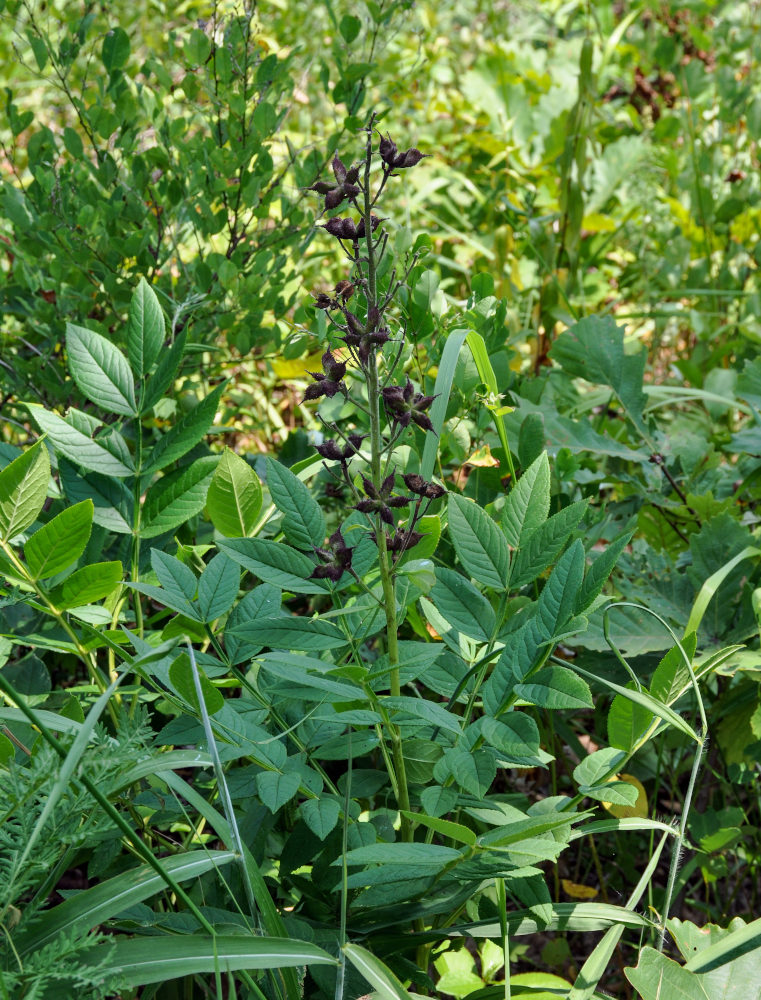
<point>390,408</point>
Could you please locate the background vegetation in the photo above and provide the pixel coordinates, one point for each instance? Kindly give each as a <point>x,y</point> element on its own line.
<point>508,747</point>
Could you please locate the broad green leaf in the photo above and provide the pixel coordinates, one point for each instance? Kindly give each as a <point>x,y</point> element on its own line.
<point>185,434</point>
<point>458,975</point>
<point>728,959</point>
<point>593,772</point>
<point>116,49</point>
<point>60,542</point>
<point>181,677</point>
<point>462,606</point>
<point>420,757</point>
<point>515,735</point>
<point>23,489</point>
<point>593,349</point>
<point>380,977</point>
<point>275,789</point>
<point>165,373</point>
<point>88,584</point>
<point>308,634</point>
<point>90,907</point>
<point>320,815</point>
<point>303,523</point>
<point>657,977</point>
<point>113,502</point>
<point>218,587</point>
<point>263,601</point>
<point>479,543</point>
<point>140,961</point>
<point>528,502</point>
<point>275,563</point>
<point>7,750</point>
<point>176,498</point>
<point>473,770</point>
<point>234,499</point>
<point>555,606</point>
<point>77,446</point>
<point>145,329</point>
<point>542,546</point>
<point>627,723</point>
<point>534,895</point>
<point>438,800</point>
<point>100,370</point>
<point>554,688</point>
<point>672,675</point>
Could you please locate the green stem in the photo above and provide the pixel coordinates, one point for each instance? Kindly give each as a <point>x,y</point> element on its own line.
<point>376,474</point>
<point>85,655</point>
<point>136,512</point>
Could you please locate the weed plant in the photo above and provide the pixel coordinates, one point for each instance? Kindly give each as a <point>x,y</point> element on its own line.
<point>391,665</point>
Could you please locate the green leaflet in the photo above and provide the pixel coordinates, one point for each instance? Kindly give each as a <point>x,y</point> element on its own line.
<point>185,434</point>
<point>165,373</point>
<point>234,499</point>
<point>543,544</point>
<point>454,831</point>
<point>555,687</point>
<point>592,776</point>
<point>307,634</point>
<point>461,605</point>
<point>111,499</point>
<point>177,579</point>
<point>145,329</point>
<point>88,584</point>
<point>473,771</point>
<point>528,503</point>
<point>78,446</point>
<point>320,815</point>
<point>181,678</point>
<point>60,542</point>
<point>275,563</point>
<point>430,857</point>
<point>218,587</point>
<point>599,571</point>
<point>276,789</point>
<point>303,522</point>
<point>176,498</point>
<point>23,488</point>
<point>101,371</point>
<point>480,545</point>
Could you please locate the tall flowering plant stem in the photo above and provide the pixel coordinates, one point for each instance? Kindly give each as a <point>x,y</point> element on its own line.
<point>374,354</point>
